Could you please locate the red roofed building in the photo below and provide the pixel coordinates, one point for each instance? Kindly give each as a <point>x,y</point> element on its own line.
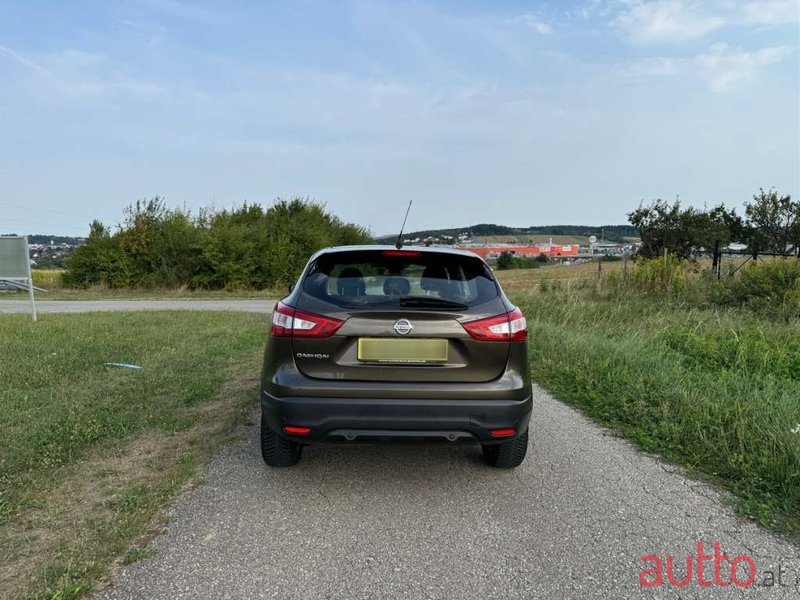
<point>549,250</point>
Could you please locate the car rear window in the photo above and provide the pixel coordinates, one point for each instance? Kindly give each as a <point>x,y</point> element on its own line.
<point>400,278</point>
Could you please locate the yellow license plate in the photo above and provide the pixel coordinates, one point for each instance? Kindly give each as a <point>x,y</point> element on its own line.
<point>400,350</point>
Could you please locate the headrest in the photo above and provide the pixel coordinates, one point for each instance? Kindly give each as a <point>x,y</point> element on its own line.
<point>434,278</point>
<point>350,282</point>
<point>396,286</point>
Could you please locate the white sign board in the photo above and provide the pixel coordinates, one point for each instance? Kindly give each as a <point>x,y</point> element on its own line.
<point>15,263</point>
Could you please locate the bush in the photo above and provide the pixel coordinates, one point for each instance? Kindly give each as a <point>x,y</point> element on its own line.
<point>161,245</point>
<point>508,261</point>
<point>100,261</point>
<point>522,262</point>
<point>770,287</point>
<point>246,247</point>
<point>654,276</point>
<point>505,261</point>
<point>766,284</point>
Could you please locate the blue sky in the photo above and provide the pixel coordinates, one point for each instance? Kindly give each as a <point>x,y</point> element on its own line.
<point>519,113</point>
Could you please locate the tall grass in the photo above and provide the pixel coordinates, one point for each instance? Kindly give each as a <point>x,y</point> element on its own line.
<point>715,389</point>
<point>48,279</point>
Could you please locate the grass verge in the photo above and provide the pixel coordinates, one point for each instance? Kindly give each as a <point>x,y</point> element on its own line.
<point>89,455</point>
<point>716,390</point>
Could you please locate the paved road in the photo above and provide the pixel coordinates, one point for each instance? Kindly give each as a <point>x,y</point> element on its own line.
<point>80,306</point>
<point>412,522</point>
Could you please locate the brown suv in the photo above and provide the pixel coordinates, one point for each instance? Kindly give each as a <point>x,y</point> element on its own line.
<point>378,344</point>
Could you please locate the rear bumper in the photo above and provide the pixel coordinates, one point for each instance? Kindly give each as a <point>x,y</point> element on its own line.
<point>385,420</point>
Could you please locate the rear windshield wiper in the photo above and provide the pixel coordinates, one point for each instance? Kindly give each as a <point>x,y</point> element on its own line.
<point>432,303</point>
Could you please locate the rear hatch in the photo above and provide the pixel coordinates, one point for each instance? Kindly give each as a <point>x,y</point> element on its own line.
<point>400,316</point>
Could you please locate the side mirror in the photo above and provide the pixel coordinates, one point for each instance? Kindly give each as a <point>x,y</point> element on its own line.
<point>291,288</point>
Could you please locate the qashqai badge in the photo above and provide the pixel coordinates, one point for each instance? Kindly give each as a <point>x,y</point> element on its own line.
<point>403,326</point>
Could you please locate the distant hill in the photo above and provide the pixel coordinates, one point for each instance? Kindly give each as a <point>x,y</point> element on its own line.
<point>488,232</point>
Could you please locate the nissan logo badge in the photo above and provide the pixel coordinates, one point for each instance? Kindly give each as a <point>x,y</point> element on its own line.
<point>403,326</point>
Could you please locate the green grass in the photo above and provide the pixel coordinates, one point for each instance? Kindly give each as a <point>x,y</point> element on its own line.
<point>716,390</point>
<point>89,454</point>
<point>137,554</point>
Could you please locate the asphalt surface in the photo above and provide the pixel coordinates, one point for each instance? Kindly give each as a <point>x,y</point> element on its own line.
<point>81,306</point>
<point>413,522</point>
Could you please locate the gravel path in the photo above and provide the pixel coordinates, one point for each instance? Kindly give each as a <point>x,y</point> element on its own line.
<point>411,522</point>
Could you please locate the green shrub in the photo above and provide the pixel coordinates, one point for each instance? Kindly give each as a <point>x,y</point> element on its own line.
<point>505,261</point>
<point>655,276</point>
<point>100,261</point>
<point>769,286</point>
<point>766,284</point>
<point>246,247</point>
<point>523,262</point>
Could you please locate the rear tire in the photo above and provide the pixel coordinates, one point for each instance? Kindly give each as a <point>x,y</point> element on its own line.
<point>277,451</point>
<point>507,455</point>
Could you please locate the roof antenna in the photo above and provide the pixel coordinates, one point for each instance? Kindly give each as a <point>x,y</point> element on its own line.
<point>399,243</point>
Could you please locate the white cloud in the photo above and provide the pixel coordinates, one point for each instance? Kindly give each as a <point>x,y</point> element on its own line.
<point>534,22</point>
<point>589,8</point>
<point>22,60</point>
<point>77,75</point>
<point>665,21</point>
<point>722,68</point>
<point>675,21</point>
<point>771,12</point>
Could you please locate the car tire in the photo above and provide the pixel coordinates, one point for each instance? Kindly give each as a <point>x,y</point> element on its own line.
<point>277,451</point>
<point>507,455</point>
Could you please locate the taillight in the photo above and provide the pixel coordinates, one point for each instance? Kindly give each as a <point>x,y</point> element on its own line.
<point>296,430</point>
<point>288,322</point>
<point>509,327</point>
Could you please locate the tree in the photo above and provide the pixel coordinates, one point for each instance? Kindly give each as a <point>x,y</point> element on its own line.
<point>774,222</point>
<point>685,232</point>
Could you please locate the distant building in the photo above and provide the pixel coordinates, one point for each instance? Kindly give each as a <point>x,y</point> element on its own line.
<point>736,247</point>
<point>549,250</point>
